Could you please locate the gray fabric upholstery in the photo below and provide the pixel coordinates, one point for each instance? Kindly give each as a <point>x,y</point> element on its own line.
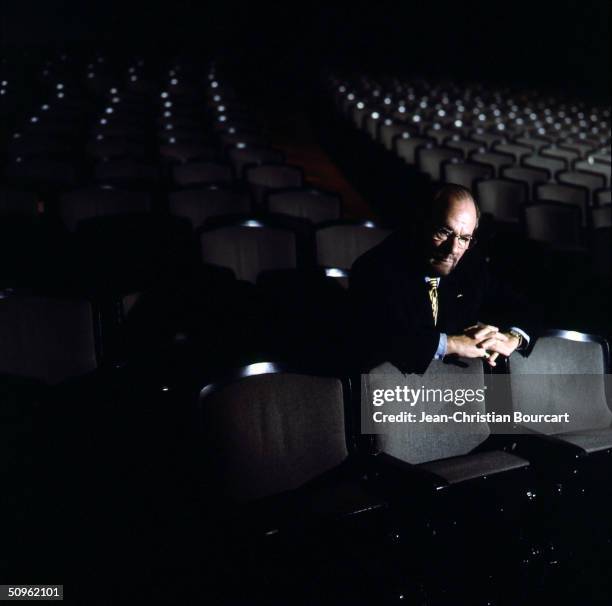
<point>371,125</point>
<point>388,131</point>
<point>183,152</point>
<point>94,202</point>
<point>465,173</point>
<point>46,339</point>
<point>554,224</point>
<point>518,151</point>
<point>552,165</point>
<point>271,433</point>
<point>197,205</point>
<point>530,176</point>
<point>533,142</point>
<point>440,135</point>
<point>497,161</point>
<point>202,172</point>
<point>340,245</point>
<point>241,157</point>
<point>477,465</point>
<point>566,194</point>
<point>274,176</point>
<point>316,206</point>
<point>18,202</point>
<point>594,167</point>
<point>591,182</point>
<point>419,443</point>
<point>489,139</point>
<point>567,155</point>
<point>593,440</point>
<point>602,216</point>
<point>430,161</point>
<point>249,250</point>
<point>502,199</point>
<point>583,147</point>
<point>604,197</point>
<point>406,148</point>
<point>265,178</point>
<point>559,386</point>
<point>466,147</point>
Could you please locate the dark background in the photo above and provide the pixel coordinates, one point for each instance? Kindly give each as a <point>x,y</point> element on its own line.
<point>557,46</point>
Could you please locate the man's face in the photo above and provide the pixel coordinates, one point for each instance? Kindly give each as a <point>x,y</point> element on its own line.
<point>443,254</point>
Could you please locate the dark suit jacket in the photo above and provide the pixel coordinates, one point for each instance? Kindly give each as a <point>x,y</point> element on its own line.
<point>392,318</point>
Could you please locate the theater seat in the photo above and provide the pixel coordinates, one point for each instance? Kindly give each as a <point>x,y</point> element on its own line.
<point>442,449</point>
<point>565,372</point>
<point>249,247</point>
<point>268,177</point>
<point>88,203</point>
<point>47,339</point>
<point>339,244</point>
<point>502,199</point>
<point>317,206</point>
<point>201,203</point>
<point>281,483</point>
<point>477,465</point>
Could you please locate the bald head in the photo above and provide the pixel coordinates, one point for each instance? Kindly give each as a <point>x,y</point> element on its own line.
<point>452,196</point>
<point>454,218</point>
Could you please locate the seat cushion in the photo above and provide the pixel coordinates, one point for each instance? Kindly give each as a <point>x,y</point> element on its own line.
<point>472,466</point>
<point>591,440</point>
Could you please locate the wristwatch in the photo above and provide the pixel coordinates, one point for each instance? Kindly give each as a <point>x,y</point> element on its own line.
<point>518,335</point>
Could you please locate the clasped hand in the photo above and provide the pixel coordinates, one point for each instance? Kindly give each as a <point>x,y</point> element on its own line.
<point>482,341</point>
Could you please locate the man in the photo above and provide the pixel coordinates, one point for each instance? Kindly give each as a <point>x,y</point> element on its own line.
<point>420,296</point>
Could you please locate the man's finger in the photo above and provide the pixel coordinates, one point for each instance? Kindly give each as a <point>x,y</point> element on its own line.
<point>485,332</point>
<point>491,343</point>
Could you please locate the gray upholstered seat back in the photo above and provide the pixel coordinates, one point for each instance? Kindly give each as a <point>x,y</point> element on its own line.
<point>94,202</point>
<point>46,339</point>
<point>502,199</point>
<point>271,433</point>
<point>555,224</point>
<point>595,167</point>
<point>340,245</point>
<point>567,194</point>
<point>240,157</point>
<point>306,204</point>
<point>197,205</point>
<point>465,173</point>
<point>497,161</point>
<point>388,131</point>
<point>202,172</point>
<point>430,161</point>
<point>406,147</point>
<point>557,386</point>
<point>590,181</point>
<point>274,176</point>
<point>530,176</point>
<point>602,216</point>
<point>552,165</point>
<point>421,442</point>
<point>249,250</point>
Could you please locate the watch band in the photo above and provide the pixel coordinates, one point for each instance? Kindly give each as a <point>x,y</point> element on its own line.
<point>518,335</point>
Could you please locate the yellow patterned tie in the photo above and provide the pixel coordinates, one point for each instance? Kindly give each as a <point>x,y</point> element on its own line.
<point>433,297</point>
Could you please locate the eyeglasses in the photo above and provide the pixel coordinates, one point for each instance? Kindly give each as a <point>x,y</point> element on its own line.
<point>442,234</point>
